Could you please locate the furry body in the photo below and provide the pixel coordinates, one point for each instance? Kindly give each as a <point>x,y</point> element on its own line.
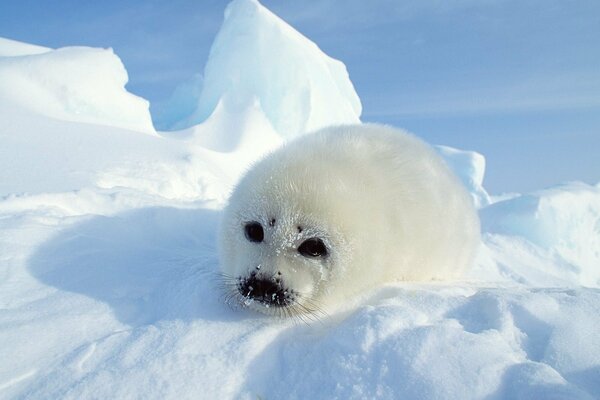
<point>382,203</point>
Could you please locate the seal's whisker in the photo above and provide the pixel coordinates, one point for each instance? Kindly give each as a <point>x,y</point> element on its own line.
<point>307,313</point>
<point>316,313</point>
<point>298,307</point>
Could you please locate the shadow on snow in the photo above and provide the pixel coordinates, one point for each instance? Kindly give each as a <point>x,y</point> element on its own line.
<point>148,265</point>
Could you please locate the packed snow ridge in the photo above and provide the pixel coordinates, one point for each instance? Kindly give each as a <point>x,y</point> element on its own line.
<point>79,84</point>
<point>108,265</point>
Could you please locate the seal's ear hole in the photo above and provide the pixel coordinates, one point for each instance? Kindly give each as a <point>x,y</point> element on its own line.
<point>313,247</point>
<point>254,232</point>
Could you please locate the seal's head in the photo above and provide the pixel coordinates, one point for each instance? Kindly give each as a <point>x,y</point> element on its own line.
<point>281,242</point>
<point>276,256</point>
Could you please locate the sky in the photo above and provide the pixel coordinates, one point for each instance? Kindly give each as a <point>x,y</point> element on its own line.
<point>518,81</point>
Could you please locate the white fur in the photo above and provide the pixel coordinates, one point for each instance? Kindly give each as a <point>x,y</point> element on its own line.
<point>385,204</point>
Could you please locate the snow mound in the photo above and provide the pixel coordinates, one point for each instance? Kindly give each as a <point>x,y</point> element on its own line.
<point>234,127</point>
<point>257,55</point>
<point>470,168</point>
<point>563,220</point>
<point>12,48</point>
<point>73,84</point>
<point>41,155</point>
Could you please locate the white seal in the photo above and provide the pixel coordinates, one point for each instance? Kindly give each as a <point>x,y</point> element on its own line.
<point>340,211</point>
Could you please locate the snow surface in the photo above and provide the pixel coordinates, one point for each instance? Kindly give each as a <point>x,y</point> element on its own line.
<point>564,221</point>
<point>108,285</point>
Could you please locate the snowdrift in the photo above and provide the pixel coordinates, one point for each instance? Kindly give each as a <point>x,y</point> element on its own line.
<point>469,166</point>
<point>79,84</point>
<point>108,268</point>
<point>12,48</point>
<point>563,221</point>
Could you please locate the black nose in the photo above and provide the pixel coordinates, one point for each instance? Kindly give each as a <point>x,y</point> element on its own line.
<point>264,290</point>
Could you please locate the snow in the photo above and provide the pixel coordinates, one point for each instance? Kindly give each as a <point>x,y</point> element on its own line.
<point>12,48</point>
<point>108,284</point>
<point>256,55</point>
<point>180,105</point>
<point>78,84</point>
<point>564,221</point>
<point>469,166</point>
<point>234,126</point>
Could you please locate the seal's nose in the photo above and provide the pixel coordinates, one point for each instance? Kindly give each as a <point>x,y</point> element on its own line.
<point>264,290</point>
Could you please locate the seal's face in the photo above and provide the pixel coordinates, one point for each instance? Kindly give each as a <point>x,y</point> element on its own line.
<point>277,263</point>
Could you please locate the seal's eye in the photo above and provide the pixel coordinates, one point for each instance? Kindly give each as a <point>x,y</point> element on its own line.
<point>313,247</point>
<point>254,232</point>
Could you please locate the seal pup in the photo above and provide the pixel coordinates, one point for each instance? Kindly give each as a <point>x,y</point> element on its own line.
<point>339,211</point>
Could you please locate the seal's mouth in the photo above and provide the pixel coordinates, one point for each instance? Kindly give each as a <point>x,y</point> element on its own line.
<point>270,292</point>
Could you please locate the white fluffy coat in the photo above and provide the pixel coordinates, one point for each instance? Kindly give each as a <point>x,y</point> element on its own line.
<point>385,204</point>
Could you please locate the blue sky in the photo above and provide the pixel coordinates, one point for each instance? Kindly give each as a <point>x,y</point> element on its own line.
<point>518,81</point>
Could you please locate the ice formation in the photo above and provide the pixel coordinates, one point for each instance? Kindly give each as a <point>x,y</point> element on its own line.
<point>257,55</point>
<point>180,105</point>
<point>235,126</point>
<point>564,220</point>
<point>470,168</point>
<point>79,84</point>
